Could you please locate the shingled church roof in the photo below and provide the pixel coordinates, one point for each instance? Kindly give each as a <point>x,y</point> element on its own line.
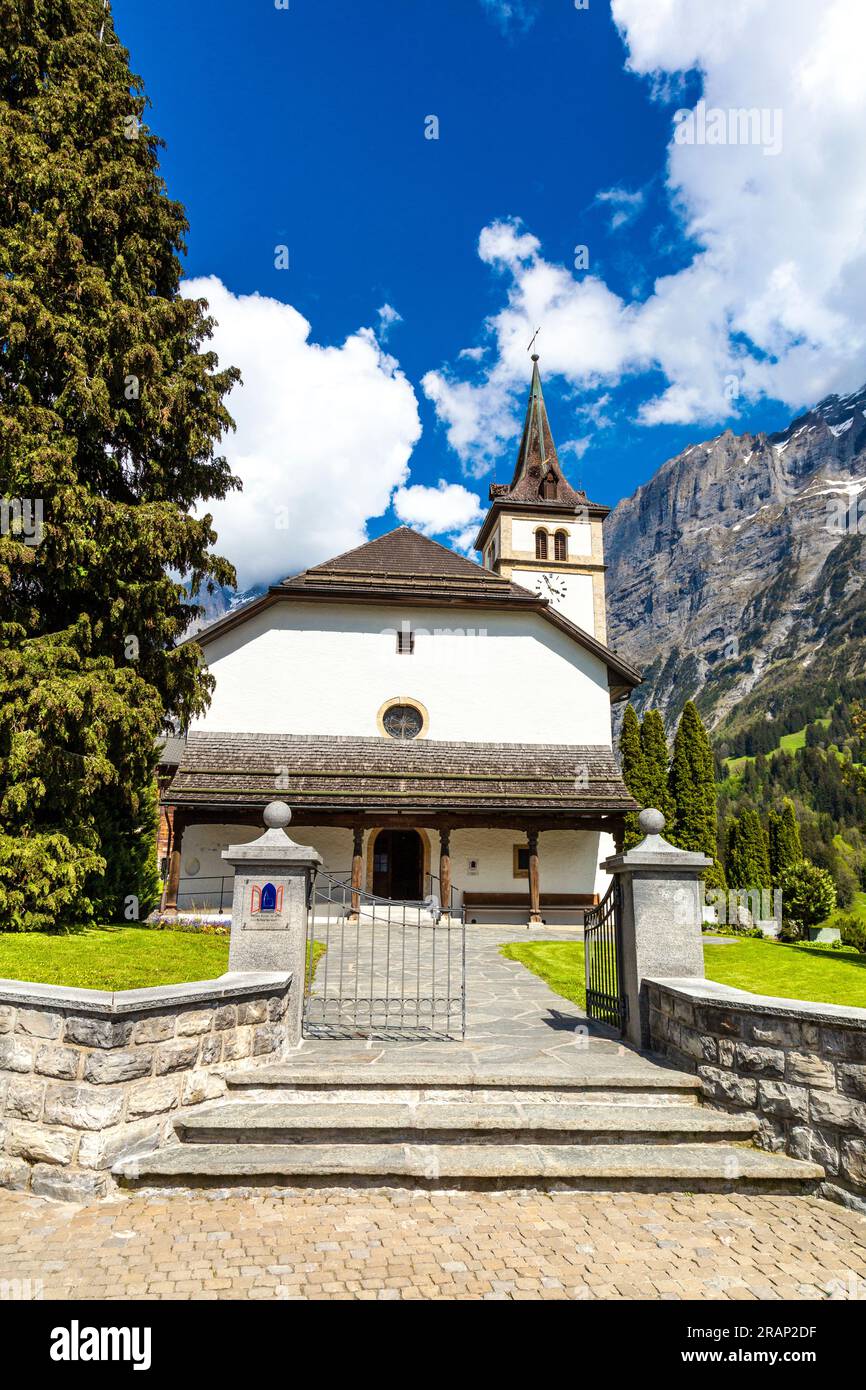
<point>402,558</point>
<point>330,772</point>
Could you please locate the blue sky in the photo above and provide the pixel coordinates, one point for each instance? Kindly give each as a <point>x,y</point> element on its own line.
<point>305,127</point>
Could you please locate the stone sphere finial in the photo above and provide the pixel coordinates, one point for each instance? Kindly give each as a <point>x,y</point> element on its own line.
<point>277,815</point>
<point>651,821</point>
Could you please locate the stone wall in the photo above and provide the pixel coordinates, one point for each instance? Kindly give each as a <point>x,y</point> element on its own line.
<point>800,1067</point>
<point>87,1075</point>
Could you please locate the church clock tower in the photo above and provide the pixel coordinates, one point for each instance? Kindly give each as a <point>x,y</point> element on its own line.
<point>543,534</point>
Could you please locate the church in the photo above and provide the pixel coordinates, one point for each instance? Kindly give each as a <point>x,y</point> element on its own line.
<point>439,727</point>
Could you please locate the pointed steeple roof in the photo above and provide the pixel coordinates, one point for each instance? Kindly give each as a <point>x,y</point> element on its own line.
<point>538,476</point>
<point>537,448</point>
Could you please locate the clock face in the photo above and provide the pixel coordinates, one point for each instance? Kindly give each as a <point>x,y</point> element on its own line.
<point>551,586</point>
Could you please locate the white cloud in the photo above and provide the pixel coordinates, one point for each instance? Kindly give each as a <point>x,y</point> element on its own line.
<point>387,316</point>
<point>625,205</point>
<point>584,328</point>
<point>324,435</point>
<point>775,294</point>
<point>511,15</point>
<point>447,509</point>
<point>576,447</point>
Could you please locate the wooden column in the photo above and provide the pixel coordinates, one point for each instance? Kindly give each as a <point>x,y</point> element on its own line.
<point>534,888</point>
<point>177,825</point>
<point>357,870</point>
<point>445,870</point>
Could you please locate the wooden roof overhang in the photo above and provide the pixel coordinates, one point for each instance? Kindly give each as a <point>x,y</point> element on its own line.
<point>344,780</point>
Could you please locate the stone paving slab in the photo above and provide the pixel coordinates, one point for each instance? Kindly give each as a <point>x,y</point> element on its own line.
<point>373,1244</point>
<point>513,1020</point>
<point>693,1167</point>
<point>282,1123</point>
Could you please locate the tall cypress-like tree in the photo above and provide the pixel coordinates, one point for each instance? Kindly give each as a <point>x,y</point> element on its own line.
<point>654,743</point>
<point>693,792</point>
<point>110,413</point>
<point>786,847</point>
<point>747,862</point>
<point>634,772</point>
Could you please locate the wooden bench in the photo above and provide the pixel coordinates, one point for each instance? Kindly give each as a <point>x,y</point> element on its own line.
<point>519,902</point>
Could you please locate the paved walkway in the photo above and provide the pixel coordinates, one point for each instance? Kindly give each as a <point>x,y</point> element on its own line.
<point>391,1245</point>
<point>512,1018</point>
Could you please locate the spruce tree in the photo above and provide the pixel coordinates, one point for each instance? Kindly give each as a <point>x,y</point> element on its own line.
<point>786,847</point>
<point>747,862</point>
<point>634,772</point>
<point>693,792</point>
<point>110,413</point>
<point>654,745</point>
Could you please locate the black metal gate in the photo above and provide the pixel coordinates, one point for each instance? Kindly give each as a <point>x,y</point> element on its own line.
<point>602,944</point>
<point>382,969</point>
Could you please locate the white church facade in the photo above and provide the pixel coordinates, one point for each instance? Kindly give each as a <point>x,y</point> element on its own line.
<point>437,726</point>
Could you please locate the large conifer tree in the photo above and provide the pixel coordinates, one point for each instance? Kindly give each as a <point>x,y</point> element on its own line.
<point>654,744</point>
<point>786,847</point>
<point>634,772</point>
<point>747,862</point>
<point>110,412</point>
<point>693,791</point>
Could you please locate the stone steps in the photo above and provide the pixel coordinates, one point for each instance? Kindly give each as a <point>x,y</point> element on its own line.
<point>442,1123</point>
<point>595,1082</point>
<point>601,1167</point>
<point>616,1123</point>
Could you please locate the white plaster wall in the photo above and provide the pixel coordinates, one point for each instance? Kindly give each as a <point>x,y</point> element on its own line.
<point>567,860</point>
<point>205,843</point>
<point>483,676</point>
<point>606,848</point>
<point>523,535</point>
<point>577,605</point>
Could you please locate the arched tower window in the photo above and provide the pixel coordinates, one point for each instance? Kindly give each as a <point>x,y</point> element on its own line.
<point>541,545</point>
<point>560,546</point>
<point>548,488</point>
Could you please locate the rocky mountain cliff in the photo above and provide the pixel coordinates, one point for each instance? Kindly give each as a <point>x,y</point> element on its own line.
<point>220,602</point>
<point>736,575</point>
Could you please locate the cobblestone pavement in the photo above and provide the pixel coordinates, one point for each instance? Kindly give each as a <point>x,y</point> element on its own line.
<point>377,1244</point>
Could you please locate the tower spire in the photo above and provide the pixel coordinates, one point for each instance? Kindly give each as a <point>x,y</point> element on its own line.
<point>537,449</point>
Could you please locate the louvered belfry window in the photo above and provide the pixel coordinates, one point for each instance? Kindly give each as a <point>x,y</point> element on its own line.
<point>560,546</point>
<point>541,545</point>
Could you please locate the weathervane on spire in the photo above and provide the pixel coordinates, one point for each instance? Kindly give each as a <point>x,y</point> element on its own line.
<point>529,349</point>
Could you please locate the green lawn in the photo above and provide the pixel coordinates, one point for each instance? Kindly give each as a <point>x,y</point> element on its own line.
<point>788,743</point>
<point>799,971</point>
<point>857,909</point>
<point>115,957</point>
<point>792,971</point>
<point>559,963</point>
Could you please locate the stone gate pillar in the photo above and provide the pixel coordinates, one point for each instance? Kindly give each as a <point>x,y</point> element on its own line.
<point>662,912</point>
<point>269,907</point>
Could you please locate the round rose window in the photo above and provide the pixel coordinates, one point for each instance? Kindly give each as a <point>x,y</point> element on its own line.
<point>403,721</point>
